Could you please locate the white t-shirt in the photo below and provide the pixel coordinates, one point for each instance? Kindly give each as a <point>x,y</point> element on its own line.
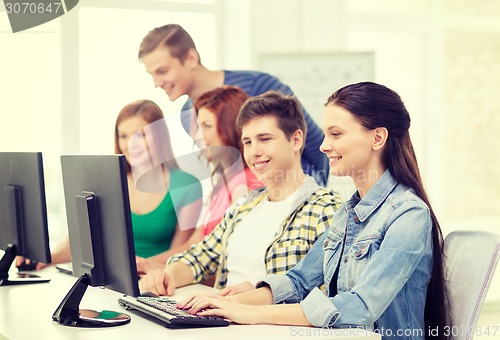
<point>249,241</point>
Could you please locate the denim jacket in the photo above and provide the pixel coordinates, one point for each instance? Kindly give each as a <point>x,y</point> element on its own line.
<point>383,247</point>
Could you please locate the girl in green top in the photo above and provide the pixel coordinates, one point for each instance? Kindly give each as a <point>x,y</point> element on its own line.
<point>165,201</point>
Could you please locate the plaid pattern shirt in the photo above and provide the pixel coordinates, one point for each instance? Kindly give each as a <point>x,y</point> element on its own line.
<point>314,209</point>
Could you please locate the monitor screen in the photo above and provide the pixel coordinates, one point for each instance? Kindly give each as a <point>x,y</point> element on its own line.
<point>100,230</point>
<point>23,212</point>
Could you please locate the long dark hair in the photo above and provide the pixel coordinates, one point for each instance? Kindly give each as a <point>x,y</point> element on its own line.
<point>375,106</point>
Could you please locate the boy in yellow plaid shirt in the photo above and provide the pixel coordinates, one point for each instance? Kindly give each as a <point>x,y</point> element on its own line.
<point>269,230</point>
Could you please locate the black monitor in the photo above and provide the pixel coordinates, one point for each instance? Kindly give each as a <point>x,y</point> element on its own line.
<point>23,214</point>
<point>100,233</point>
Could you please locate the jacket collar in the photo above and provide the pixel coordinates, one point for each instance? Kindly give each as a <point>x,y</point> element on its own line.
<point>374,197</point>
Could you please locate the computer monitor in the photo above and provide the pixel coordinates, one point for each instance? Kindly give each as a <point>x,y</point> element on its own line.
<point>100,233</point>
<point>23,214</point>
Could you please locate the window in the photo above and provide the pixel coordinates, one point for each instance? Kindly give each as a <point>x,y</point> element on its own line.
<point>98,42</point>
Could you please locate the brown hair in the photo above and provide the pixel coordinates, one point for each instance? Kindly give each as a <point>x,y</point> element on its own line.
<point>172,36</point>
<point>286,109</point>
<point>150,112</point>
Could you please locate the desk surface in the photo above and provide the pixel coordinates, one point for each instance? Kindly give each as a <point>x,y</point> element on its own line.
<point>26,313</point>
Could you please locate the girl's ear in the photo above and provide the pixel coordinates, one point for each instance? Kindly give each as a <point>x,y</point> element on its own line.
<point>380,137</point>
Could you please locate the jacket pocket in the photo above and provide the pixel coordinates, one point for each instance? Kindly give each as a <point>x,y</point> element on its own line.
<point>365,247</point>
<point>360,253</point>
<point>331,247</point>
<point>360,250</point>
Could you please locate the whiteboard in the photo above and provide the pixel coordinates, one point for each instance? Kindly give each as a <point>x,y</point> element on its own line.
<point>313,77</point>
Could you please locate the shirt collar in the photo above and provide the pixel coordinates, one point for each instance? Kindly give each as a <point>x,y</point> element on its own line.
<point>374,197</point>
<point>308,187</point>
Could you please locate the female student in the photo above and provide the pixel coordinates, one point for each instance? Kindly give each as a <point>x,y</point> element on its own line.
<point>165,201</point>
<point>217,111</point>
<point>382,259</point>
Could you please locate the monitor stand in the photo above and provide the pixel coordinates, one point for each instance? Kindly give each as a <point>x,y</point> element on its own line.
<point>69,313</point>
<point>22,277</point>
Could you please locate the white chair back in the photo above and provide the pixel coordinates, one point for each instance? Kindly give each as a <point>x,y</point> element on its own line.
<point>471,259</point>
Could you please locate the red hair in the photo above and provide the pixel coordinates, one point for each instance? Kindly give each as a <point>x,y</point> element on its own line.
<point>225,103</point>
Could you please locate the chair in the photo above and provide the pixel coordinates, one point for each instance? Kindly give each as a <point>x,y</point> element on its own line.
<point>470,262</point>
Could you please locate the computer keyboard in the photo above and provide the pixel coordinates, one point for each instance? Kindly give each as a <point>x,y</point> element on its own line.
<point>165,309</point>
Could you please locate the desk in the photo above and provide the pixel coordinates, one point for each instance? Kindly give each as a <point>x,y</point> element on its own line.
<point>26,313</point>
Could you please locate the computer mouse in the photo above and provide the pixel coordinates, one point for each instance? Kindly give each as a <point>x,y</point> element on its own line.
<point>24,267</point>
<point>148,294</point>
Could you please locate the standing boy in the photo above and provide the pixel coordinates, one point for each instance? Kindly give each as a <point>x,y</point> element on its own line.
<point>170,56</point>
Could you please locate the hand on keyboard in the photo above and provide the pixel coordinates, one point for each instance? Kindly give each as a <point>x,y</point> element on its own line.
<point>232,311</point>
<point>198,296</point>
<point>158,282</point>
<point>193,299</point>
<point>164,304</point>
